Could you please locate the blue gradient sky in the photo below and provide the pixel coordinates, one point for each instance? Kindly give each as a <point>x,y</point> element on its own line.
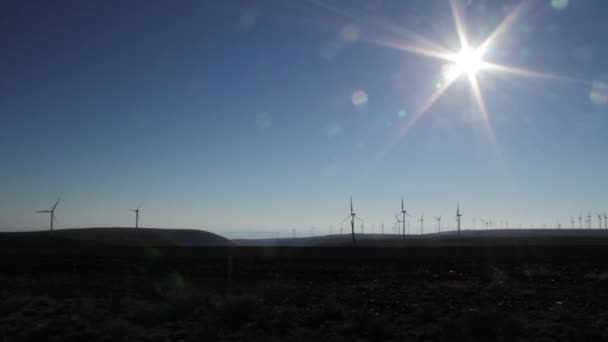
<point>239,116</point>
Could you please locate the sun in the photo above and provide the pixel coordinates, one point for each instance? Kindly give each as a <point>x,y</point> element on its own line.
<point>468,62</point>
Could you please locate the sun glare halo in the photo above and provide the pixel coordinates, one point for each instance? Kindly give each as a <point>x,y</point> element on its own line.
<point>468,61</point>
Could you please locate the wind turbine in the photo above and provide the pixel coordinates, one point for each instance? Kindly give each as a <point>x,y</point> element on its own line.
<point>572,223</point>
<point>52,211</point>
<point>403,212</point>
<point>397,226</point>
<point>589,220</point>
<point>559,225</point>
<point>352,216</point>
<point>605,221</point>
<point>421,224</point>
<point>458,215</point>
<point>438,223</point>
<point>136,211</point>
<point>580,220</point>
<point>599,217</point>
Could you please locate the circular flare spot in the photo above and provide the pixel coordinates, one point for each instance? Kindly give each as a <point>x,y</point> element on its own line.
<point>559,4</point>
<point>359,98</point>
<point>349,34</point>
<point>263,120</point>
<point>599,93</point>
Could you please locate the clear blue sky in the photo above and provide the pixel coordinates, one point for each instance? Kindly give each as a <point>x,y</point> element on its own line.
<point>237,116</point>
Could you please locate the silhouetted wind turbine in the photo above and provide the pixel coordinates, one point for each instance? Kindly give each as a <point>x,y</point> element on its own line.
<point>421,224</point>
<point>572,223</point>
<point>458,215</point>
<point>438,223</point>
<point>605,221</point>
<point>403,212</point>
<point>580,220</point>
<point>599,218</point>
<point>136,211</point>
<point>352,216</point>
<point>589,219</point>
<point>559,225</point>
<point>52,211</point>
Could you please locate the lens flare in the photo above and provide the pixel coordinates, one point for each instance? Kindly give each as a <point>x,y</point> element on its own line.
<point>599,93</point>
<point>467,63</point>
<point>559,4</point>
<point>359,98</point>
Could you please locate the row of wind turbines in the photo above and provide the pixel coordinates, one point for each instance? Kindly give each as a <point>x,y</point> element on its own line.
<point>399,220</point>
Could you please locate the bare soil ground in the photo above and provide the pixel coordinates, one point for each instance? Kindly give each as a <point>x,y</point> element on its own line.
<point>302,299</point>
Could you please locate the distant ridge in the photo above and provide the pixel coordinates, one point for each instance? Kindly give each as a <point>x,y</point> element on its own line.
<point>120,236</point>
<point>448,238</point>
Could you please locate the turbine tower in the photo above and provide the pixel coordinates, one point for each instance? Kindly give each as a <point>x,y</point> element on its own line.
<point>438,223</point>
<point>599,218</point>
<point>572,223</point>
<point>580,220</point>
<point>589,220</point>
<point>352,216</point>
<point>136,211</point>
<point>559,225</point>
<point>458,216</point>
<point>52,212</point>
<point>421,224</point>
<point>605,221</point>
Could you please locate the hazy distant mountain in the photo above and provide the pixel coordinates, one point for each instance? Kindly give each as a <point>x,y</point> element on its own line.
<point>466,237</point>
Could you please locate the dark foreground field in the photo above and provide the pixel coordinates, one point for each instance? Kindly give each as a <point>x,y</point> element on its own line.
<point>304,294</point>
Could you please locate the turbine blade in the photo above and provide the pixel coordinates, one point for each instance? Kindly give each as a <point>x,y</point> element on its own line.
<point>43,211</point>
<point>346,218</point>
<point>55,206</point>
<point>357,217</point>
<point>142,203</point>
